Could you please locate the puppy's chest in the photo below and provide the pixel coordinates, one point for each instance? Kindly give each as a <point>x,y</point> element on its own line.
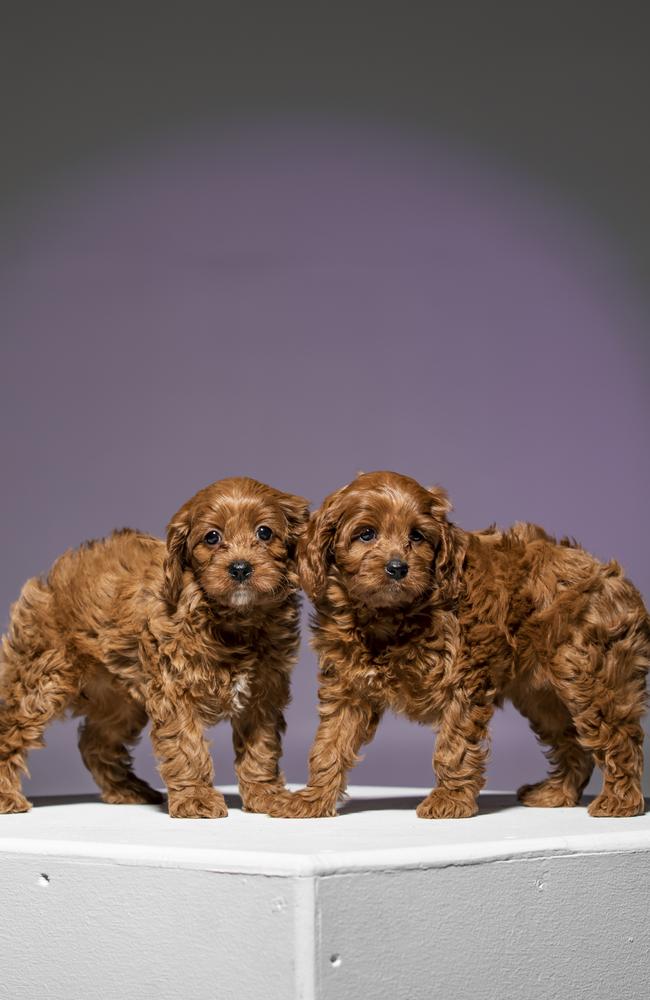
<point>226,674</point>
<point>222,691</point>
<point>408,678</point>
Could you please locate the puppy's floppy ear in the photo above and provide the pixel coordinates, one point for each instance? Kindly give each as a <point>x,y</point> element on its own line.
<point>176,561</point>
<point>450,550</point>
<point>440,502</point>
<point>316,546</point>
<point>296,511</point>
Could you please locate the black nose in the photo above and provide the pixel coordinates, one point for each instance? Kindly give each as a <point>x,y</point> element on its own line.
<point>240,571</point>
<point>397,569</point>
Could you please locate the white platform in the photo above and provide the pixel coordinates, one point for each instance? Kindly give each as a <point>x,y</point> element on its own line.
<point>121,902</point>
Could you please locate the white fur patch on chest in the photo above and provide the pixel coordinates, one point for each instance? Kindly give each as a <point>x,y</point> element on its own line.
<point>239,693</point>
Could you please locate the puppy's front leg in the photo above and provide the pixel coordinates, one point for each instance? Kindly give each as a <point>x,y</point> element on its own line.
<point>346,723</point>
<point>183,755</point>
<point>258,748</point>
<point>461,752</point>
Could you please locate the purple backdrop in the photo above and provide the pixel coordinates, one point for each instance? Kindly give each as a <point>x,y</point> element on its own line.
<point>296,303</point>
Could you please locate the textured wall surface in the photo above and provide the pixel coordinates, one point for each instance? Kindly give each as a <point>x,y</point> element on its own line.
<point>294,248</point>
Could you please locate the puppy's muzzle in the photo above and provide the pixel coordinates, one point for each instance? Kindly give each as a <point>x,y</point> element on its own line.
<point>240,571</point>
<point>396,569</point>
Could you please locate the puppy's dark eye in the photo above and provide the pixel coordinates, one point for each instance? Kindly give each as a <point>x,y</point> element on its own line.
<point>367,534</point>
<point>264,533</point>
<point>212,537</point>
<point>415,535</point>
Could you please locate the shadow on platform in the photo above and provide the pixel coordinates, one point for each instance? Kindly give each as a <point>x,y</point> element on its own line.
<point>487,804</point>
<point>39,801</point>
<point>490,803</point>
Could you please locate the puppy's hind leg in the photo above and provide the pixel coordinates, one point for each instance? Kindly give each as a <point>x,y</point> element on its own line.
<point>103,742</point>
<point>606,697</point>
<point>37,683</point>
<point>571,764</point>
<point>36,692</point>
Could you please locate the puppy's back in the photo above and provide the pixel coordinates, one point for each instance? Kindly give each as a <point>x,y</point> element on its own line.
<point>105,578</point>
<point>91,596</point>
<point>528,562</point>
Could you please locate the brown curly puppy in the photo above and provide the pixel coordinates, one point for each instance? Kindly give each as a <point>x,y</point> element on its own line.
<point>203,629</point>
<point>440,624</point>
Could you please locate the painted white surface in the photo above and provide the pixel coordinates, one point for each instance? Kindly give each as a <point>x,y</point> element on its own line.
<point>572,927</point>
<point>377,827</point>
<point>119,901</point>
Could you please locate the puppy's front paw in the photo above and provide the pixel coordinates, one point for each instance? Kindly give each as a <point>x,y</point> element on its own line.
<point>14,802</point>
<point>300,805</point>
<point>443,804</point>
<point>546,795</point>
<point>134,792</point>
<point>260,798</point>
<point>606,804</point>
<point>197,803</point>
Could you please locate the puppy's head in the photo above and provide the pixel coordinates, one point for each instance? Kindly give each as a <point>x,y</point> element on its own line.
<point>235,542</point>
<point>385,539</point>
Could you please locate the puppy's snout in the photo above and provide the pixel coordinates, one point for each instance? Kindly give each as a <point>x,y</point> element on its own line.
<point>240,570</point>
<point>396,569</point>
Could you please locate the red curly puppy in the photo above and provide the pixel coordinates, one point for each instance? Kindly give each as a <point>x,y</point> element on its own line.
<point>203,629</point>
<point>441,625</point>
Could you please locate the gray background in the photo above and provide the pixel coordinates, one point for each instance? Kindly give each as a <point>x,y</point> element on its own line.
<point>294,243</point>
